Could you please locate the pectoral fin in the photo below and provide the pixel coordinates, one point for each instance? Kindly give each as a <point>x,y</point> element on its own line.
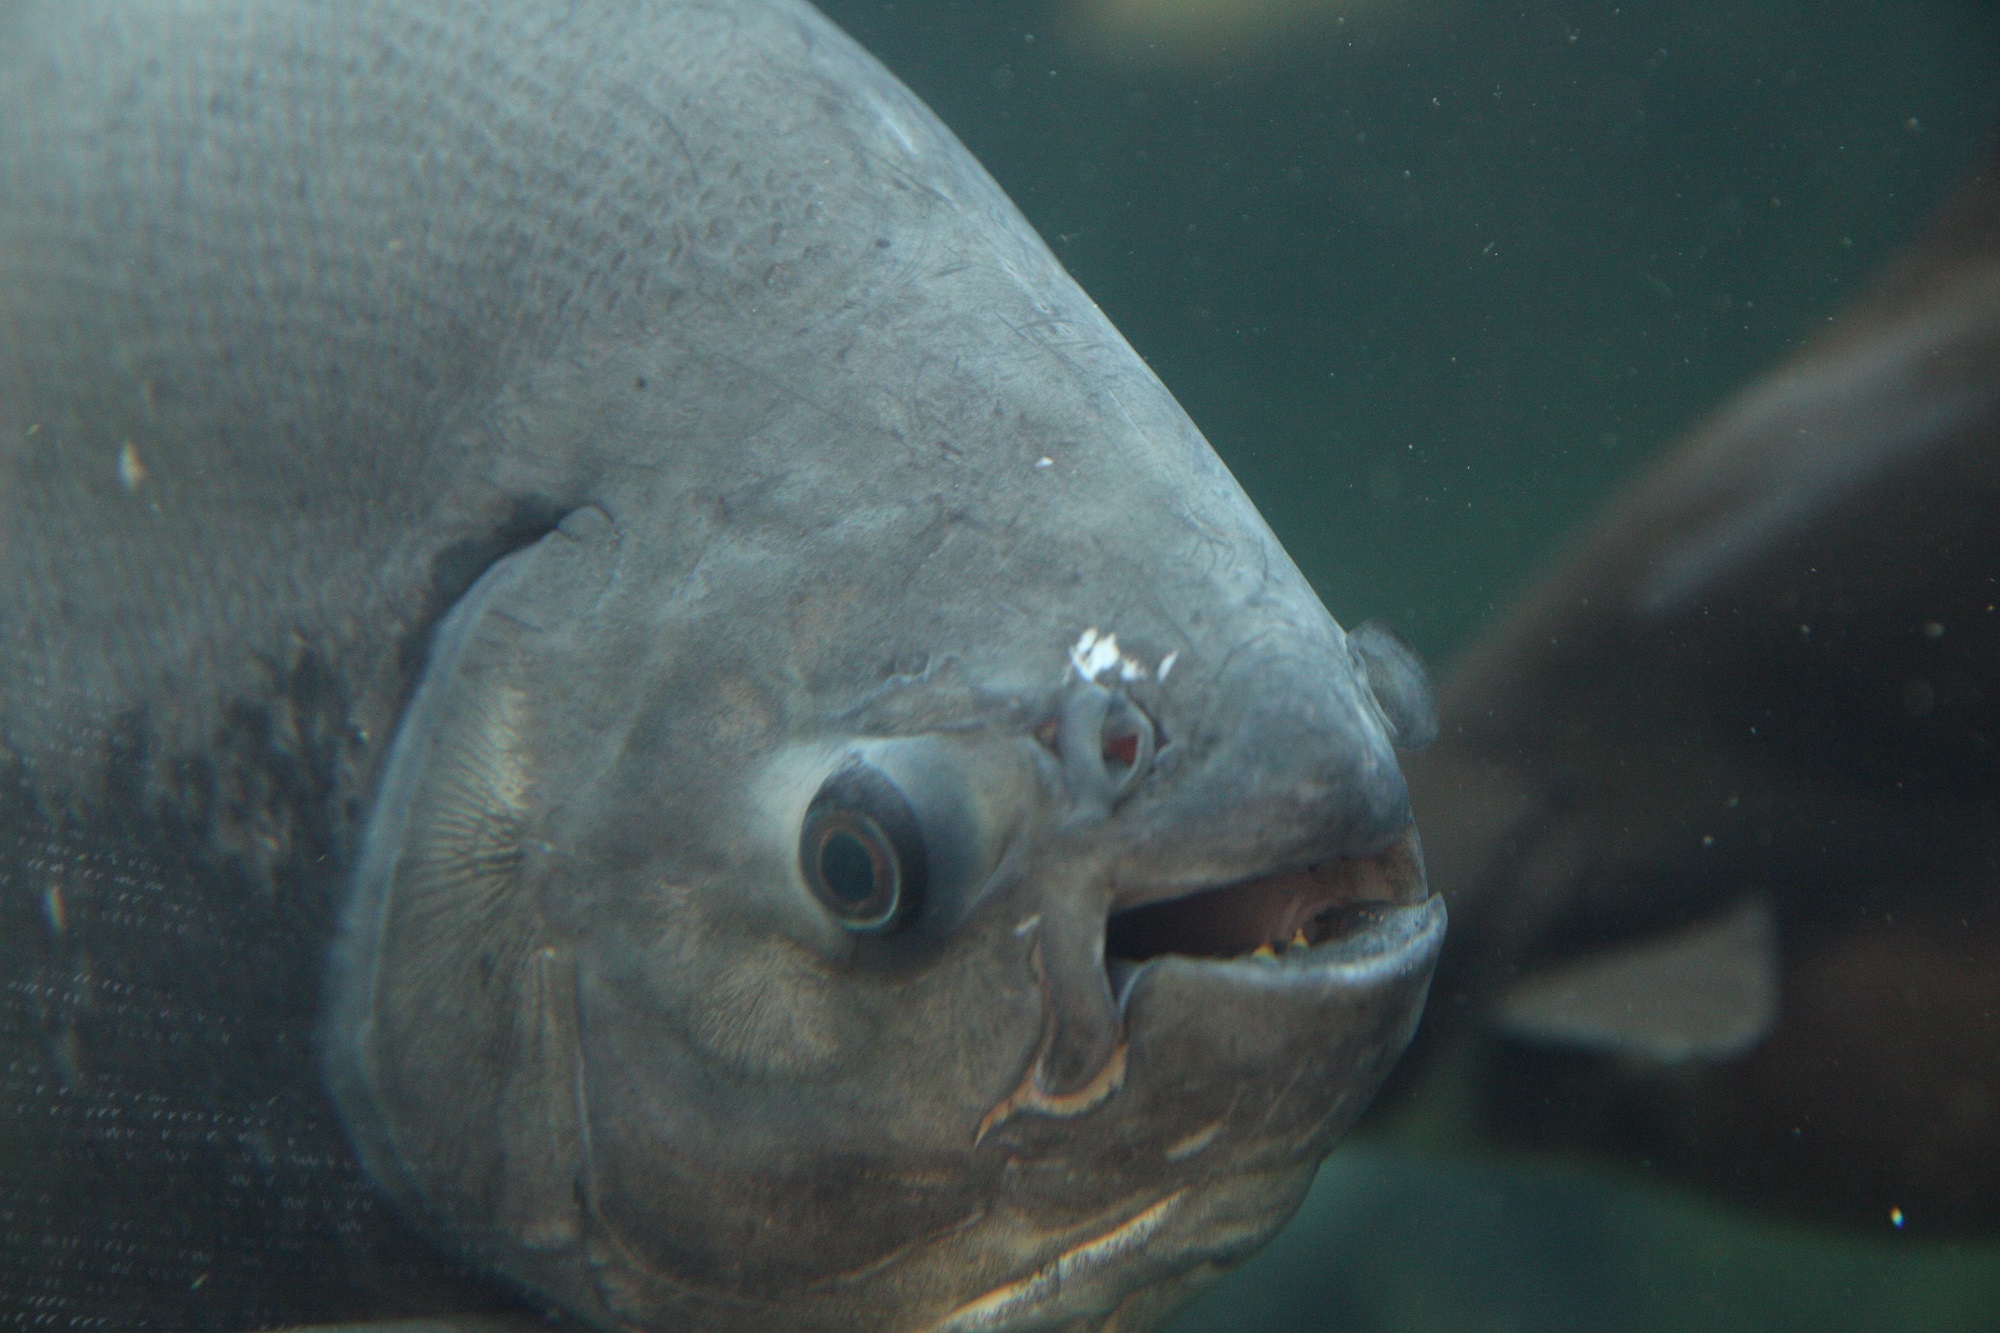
<point>1706,992</point>
<point>453,1048</point>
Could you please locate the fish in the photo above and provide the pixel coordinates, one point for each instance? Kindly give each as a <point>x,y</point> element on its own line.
<point>1716,805</point>
<point>617,699</point>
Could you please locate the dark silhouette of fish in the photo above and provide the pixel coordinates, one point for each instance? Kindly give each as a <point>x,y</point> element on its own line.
<point>616,696</point>
<point>1717,806</point>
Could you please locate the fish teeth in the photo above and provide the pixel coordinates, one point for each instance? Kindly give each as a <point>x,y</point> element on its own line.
<point>1269,952</point>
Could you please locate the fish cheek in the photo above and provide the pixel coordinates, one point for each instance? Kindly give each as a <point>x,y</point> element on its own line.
<point>754,1002</point>
<point>452,1042</point>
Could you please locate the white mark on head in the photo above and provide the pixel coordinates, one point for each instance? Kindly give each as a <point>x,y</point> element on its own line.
<point>1029,926</point>
<point>1167,662</point>
<point>1045,461</point>
<point>1093,654</point>
<point>131,468</point>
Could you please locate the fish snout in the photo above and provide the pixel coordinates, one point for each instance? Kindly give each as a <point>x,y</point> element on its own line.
<point>1248,1026</point>
<point>1235,933</point>
<point>1271,935</point>
<point>1289,755</point>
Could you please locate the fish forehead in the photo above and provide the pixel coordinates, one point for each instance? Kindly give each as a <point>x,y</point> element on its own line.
<point>1032,534</point>
<point>882,420</point>
<point>889,349</point>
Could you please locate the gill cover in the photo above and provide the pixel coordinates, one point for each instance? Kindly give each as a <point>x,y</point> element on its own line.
<point>453,1041</point>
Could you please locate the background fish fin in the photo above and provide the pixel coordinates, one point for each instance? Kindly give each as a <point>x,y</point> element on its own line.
<point>1708,991</point>
<point>454,1044</point>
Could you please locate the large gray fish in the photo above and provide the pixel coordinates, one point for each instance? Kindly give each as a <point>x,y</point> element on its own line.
<point>594,639</point>
<point>1720,799</point>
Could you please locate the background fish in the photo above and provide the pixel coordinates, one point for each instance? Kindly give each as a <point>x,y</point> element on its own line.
<point>597,640</point>
<point>1717,804</point>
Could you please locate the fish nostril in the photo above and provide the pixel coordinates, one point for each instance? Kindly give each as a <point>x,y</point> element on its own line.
<point>1105,742</point>
<point>1125,742</point>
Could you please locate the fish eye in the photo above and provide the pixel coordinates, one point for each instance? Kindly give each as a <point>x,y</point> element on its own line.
<point>862,852</point>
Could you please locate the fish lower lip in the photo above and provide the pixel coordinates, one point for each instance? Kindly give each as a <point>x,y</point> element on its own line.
<point>1383,946</point>
<point>1296,915</point>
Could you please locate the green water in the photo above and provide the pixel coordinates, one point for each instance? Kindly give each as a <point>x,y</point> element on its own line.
<point>1399,1241</point>
<point>1433,279</point>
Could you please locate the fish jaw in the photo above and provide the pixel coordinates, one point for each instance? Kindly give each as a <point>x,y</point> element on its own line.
<point>1236,1075</point>
<point>1201,1049</point>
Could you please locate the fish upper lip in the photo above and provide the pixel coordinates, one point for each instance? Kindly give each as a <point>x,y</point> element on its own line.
<point>1301,913</point>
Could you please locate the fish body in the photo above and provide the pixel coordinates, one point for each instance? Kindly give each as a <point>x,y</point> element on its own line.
<point>1717,803</point>
<point>615,694</point>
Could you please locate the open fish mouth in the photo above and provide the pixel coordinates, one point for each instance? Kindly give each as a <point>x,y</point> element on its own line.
<point>1257,1020</point>
<point>1323,912</point>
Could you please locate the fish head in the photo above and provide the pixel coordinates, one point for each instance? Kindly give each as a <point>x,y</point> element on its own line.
<point>909,851</point>
<point>970,907</point>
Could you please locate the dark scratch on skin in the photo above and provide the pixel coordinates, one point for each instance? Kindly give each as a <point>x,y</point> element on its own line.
<point>1213,544</point>
<point>1139,430</point>
<point>1062,347</point>
<point>902,174</point>
<point>1053,348</point>
<point>918,403</point>
<point>1222,668</point>
<point>905,262</point>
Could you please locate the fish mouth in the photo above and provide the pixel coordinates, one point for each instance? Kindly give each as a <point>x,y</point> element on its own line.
<point>1320,912</point>
<point>1255,1020</point>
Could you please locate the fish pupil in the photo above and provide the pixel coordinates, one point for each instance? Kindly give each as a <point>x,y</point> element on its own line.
<point>861,852</point>
<point>848,869</point>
